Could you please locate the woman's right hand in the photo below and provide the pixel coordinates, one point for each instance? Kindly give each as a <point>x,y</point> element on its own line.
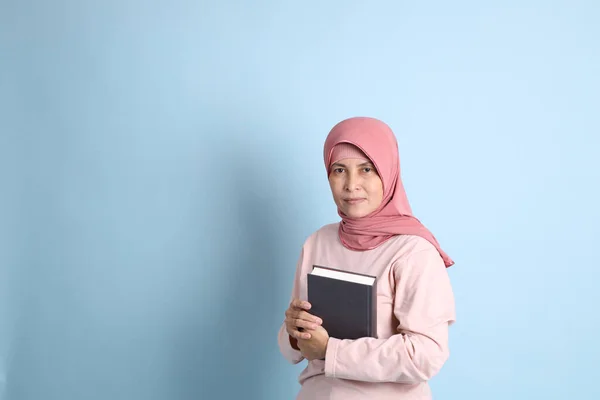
<point>296,316</point>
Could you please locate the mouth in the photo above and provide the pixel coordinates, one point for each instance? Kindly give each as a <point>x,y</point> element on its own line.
<point>354,201</point>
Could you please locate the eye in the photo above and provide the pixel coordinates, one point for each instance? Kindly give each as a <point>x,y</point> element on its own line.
<point>338,170</point>
<point>368,169</point>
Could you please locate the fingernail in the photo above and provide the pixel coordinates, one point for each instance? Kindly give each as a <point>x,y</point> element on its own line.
<point>318,321</point>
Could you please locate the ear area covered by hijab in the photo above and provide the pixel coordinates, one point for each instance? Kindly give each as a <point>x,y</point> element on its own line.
<point>394,216</point>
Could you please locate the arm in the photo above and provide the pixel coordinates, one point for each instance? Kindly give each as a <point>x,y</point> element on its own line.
<point>424,307</point>
<point>287,344</point>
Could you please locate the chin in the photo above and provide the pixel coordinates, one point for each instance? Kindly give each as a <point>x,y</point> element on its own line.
<point>355,213</point>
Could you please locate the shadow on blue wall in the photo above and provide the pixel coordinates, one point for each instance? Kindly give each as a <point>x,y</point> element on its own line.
<point>228,356</point>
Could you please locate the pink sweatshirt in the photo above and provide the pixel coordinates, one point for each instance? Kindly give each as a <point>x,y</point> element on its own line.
<point>415,307</point>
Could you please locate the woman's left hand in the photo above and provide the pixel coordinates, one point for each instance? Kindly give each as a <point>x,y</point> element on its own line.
<point>315,347</point>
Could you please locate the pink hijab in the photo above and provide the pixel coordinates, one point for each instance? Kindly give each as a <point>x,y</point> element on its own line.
<point>394,215</point>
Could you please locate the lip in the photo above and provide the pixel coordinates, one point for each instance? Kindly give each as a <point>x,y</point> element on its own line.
<point>354,201</point>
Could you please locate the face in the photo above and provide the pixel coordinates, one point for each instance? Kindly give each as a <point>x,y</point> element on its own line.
<point>356,187</point>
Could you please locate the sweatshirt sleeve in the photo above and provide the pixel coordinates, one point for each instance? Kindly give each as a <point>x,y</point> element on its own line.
<point>424,309</point>
<point>292,355</point>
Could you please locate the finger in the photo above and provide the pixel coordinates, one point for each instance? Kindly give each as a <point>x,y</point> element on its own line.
<point>301,323</point>
<point>304,335</point>
<point>303,315</point>
<point>300,304</point>
<point>294,331</point>
<point>299,335</point>
<point>291,328</point>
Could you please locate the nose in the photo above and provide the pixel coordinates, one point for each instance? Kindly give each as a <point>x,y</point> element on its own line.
<point>352,182</point>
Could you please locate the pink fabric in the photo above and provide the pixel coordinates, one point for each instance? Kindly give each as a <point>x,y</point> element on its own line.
<point>346,150</point>
<point>394,216</point>
<point>415,306</point>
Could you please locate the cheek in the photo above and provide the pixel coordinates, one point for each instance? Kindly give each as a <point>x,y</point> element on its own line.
<point>376,189</point>
<point>335,188</point>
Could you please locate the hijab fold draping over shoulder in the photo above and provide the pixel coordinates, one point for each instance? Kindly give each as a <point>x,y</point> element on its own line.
<point>394,215</point>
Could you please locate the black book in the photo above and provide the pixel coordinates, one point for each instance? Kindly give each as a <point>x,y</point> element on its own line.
<point>345,301</point>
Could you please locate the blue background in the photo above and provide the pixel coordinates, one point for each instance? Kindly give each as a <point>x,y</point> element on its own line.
<point>160,167</point>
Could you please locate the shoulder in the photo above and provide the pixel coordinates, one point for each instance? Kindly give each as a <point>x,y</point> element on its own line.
<point>407,245</point>
<point>326,233</point>
<point>415,251</point>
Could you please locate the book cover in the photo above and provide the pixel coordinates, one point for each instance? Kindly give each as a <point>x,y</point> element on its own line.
<point>345,301</point>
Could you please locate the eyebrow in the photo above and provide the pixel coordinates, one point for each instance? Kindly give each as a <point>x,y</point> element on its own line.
<point>360,165</point>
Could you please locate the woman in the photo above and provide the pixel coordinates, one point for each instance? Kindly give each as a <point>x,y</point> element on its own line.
<point>377,236</point>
